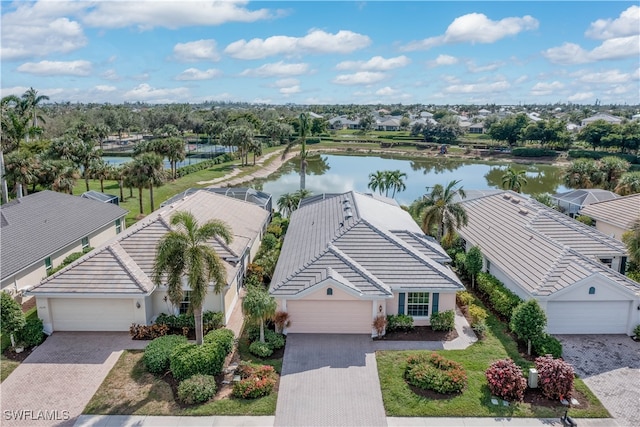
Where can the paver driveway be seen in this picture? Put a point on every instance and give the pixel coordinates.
(329, 380)
(610, 366)
(53, 385)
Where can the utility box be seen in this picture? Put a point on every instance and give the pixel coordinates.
(533, 378)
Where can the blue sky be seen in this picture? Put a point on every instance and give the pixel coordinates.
(325, 52)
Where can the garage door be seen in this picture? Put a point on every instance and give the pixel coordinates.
(91, 314)
(330, 317)
(606, 317)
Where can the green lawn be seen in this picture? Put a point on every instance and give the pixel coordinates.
(6, 367)
(475, 401)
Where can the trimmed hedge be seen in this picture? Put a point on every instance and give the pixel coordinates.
(443, 320)
(597, 155)
(206, 164)
(158, 352)
(32, 333)
(260, 349)
(399, 322)
(501, 299)
(533, 152)
(274, 339)
(197, 389)
(434, 372)
(222, 337)
(210, 320)
(547, 344)
(190, 359)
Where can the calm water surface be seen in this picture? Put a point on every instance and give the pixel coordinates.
(334, 173)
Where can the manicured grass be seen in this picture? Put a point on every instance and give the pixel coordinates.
(475, 401)
(130, 390)
(7, 366)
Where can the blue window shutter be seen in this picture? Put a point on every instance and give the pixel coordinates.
(401, 303)
(434, 302)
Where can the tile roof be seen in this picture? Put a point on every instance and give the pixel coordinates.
(621, 212)
(124, 265)
(539, 248)
(371, 242)
(38, 225)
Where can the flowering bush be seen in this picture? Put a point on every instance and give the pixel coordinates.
(256, 381)
(555, 377)
(506, 380)
(197, 389)
(434, 372)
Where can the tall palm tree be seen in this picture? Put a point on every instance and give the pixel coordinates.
(32, 103)
(378, 181)
(303, 131)
(185, 251)
(175, 152)
(287, 203)
(395, 181)
(612, 168)
(146, 171)
(258, 306)
(514, 180)
(20, 168)
(66, 177)
(100, 170)
(439, 210)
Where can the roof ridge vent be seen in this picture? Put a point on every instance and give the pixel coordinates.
(523, 211)
(515, 200)
(348, 214)
(506, 196)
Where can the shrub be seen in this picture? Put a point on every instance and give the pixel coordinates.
(501, 299)
(505, 380)
(533, 152)
(464, 298)
(399, 322)
(197, 389)
(379, 323)
(261, 349)
(12, 317)
(275, 229)
(555, 377)
(254, 270)
(597, 155)
(586, 220)
(269, 241)
(190, 359)
(256, 381)
(253, 332)
(31, 334)
(158, 352)
(443, 320)
(477, 314)
(480, 328)
(222, 337)
(434, 372)
(547, 344)
(636, 331)
(274, 339)
(144, 332)
(281, 320)
(528, 321)
(210, 320)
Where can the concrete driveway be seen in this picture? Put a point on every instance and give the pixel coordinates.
(53, 385)
(610, 366)
(329, 380)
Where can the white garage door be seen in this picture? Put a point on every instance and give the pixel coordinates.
(569, 317)
(330, 317)
(81, 314)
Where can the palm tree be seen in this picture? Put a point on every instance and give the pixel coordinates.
(629, 183)
(32, 102)
(259, 307)
(287, 203)
(631, 239)
(145, 171)
(303, 131)
(100, 170)
(174, 151)
(184, 251)
(378, 181)
(514, 180)
(20, 168)
(440, 210)
(395, 181)
(582, 173)
(612, 168)
(66, 177)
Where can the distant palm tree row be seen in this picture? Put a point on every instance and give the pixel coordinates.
(383, 181)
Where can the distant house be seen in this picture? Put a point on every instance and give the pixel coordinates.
(40, 230)
(484, 112)
(571, 202)
(388, 124)
(571, 269)
(601, 116)
(101, 197)
(476, 128)
(614, 217)
(111, 287)
(350, 257)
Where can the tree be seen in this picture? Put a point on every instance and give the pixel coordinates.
(440, 210)
(304, 126)
(378, 181)
(184, 251)
(395, 181)
(612, 169)
(259, 307)
(33, 101)
(473, 263)
(11, 316)
(631, 239)
(593, 133)
(582, 173)
(287, 203)
(20, 169)
(514, 180)
(146, 171)
(100, 170)
(509, 129)
(528, 321)
(629, 183)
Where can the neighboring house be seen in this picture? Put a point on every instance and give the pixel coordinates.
(476, 128)
(601, 116)
(388, 124)
(571, 269)
(40, 230)
(614, 217)
(350, 257)
(570, 202)
(111, 287)
(101, 197)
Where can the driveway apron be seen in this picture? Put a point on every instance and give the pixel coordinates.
(54, 384)
(329, 380)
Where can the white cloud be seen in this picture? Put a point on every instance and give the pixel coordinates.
(543, 89)
(617, 48)
(521, 79)
(359, 78)
(286, 82)
(627, 24)
(171, 14)
(57, 68)
(146, 93)
(196, 74)
(478, 87)
(476, 28)
(443, 60)
(473, 68)
(110, 75)
(316, 41)
(387, 91)
(377, 63)
(105, 88)
(277, 69)
(290, 90)
(39, 29)
(581, 96)
(604, 77)
(200, 50)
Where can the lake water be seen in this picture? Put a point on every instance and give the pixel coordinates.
(334, 173)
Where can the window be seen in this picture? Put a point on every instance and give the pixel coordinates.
(488, 270)
(85, 242)
(606, 261)
(118, 225)
(418, 304)
(592, 290)
(329, 291)
(47, 264)
(186, 302)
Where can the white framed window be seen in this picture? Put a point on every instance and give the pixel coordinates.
(118, 225)
(186, 302)
(418, 304)
(47, 264)
(85, 242)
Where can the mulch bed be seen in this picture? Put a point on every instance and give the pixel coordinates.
(9, 353)
(419, 333)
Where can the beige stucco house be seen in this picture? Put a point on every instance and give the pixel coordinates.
(571, 269)
(40, 230)
(111, 287)
(350, 257)
(614, 217)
